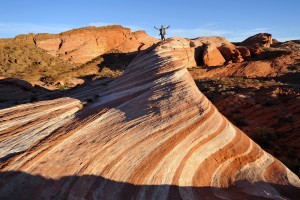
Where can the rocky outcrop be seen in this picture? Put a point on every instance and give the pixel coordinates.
(255, 50)
(262, 39)
(212, 56)
(245, 52)
(84, 44)
(227, 51)
(217, 41)
(254, 67)
(59, 57)
(151, 134)
(237, 57)
(216, 50)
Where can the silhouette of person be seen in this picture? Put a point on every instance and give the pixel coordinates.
(162, 32)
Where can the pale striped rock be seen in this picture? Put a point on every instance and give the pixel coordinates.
(151, 135)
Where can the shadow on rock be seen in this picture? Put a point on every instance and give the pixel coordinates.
(21, 185)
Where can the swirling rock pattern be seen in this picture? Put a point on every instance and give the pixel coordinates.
(151, 135)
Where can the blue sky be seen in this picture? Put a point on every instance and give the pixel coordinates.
(234, 19)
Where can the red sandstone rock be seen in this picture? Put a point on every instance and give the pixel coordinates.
(223, 46)
(217, 41)
(274, 67)
(195, 43)
(255, 50)
(245, 52)
(262, 39)
(51, 45)
(212, 56)
(84, 44)
(186, 51)
(237, 57)
(150, 134)
(227, 50)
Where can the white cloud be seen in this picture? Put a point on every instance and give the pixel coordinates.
(283, 39)
(212, 29)
(13, 29)
(193, 33)
(240, 35)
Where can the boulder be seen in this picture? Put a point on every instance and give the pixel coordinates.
(227, 51)
(212, 56)
(262, 39)
(255, 50)
(221, 50)
(245, 52)
(237, 57)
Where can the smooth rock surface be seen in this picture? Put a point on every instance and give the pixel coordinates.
(151, 135)
(212, 56)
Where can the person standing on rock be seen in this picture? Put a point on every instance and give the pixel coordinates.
(162, 32)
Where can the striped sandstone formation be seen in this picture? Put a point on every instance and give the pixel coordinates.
(151, 135)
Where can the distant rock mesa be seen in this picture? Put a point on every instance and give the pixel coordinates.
(83, 44)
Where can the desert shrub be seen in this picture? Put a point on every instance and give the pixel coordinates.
(212, 89)
(292, 67)
(272, 102)
(264, 136)
(107, 72)
(231, 92)
(90, 100)
(61, 87)
(237, 118)
(287, 119)
(241, 122)
(236, 111)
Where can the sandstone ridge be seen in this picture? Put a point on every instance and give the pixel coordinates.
(83, 44)
(151, 135)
